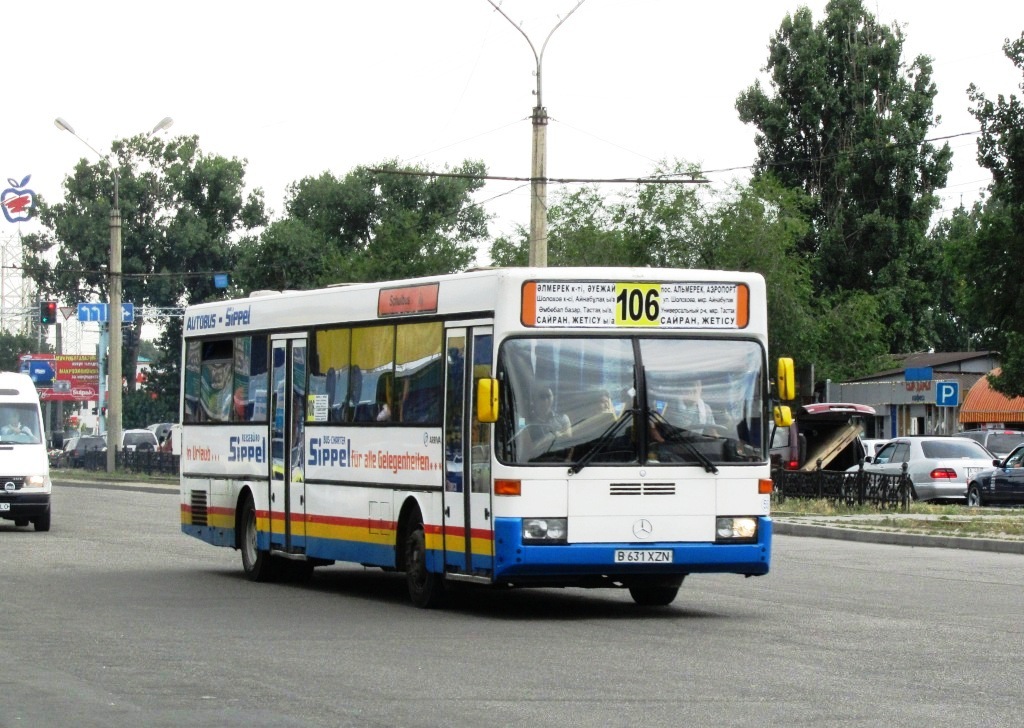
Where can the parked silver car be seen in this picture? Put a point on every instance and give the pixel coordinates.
(939, 467)
(999, 442)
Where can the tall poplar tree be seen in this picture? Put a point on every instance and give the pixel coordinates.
(995, 265)
(847, 122)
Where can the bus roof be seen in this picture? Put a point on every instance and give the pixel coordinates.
(483, 292)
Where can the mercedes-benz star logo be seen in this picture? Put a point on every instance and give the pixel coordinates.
(643, 528)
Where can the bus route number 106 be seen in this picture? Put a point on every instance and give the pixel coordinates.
(637, 304)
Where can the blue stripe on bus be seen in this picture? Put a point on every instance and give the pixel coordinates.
(215, 536)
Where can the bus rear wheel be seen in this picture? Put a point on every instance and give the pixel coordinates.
(258, 564)
(426, 589)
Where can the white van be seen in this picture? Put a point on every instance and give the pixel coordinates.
(24, 467)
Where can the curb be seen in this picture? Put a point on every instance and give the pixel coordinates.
(118, 485)
(897, 539)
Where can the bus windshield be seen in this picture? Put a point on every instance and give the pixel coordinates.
(631, 400)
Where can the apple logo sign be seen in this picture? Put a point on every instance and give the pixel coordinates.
(17, 201)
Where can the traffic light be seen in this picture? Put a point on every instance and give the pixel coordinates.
(48, 312)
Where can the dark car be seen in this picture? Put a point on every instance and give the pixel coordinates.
(1002, 484)
(85, 444)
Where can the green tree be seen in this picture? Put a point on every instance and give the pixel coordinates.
(181, 210)
(371, 225)
(959, 319)
(14, 345)
(995, 264)
(753, 227)
(847, 123)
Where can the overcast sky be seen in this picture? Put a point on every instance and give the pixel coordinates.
(300, 88)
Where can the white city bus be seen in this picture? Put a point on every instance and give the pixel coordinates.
(512, 427)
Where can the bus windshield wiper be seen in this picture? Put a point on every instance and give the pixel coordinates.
(677, 435)
(602, 441)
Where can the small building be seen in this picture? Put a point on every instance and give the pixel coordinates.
(925, 396)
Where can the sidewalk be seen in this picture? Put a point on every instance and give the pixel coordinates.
(870, 529)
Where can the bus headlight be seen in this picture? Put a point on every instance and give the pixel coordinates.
(34, 481)
(545, 530)
(735, 528)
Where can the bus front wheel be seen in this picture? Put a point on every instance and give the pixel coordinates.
(257, 564)
(426, 589)
(654, 595)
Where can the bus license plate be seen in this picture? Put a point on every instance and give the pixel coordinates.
(5, 506)
(643, 556)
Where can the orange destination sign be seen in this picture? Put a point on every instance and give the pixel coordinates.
(407, 300)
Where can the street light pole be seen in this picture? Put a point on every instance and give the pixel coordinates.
(539, 157)
(114, 312)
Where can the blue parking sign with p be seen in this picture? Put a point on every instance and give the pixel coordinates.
(947, 394)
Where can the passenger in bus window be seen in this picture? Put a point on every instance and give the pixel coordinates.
(354, 395)
(690, 409)
(543, 417)
(385, 398)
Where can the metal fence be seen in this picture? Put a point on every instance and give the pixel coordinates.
(135, 461)
(848, 488)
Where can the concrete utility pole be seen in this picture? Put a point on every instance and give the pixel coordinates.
(114, 327)
(539, 160)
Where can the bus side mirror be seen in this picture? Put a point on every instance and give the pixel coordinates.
(783, 416)
(487, 400)
(786, 380)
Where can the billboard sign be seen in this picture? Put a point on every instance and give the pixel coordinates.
(63, 377)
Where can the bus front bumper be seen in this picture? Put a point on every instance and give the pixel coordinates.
(519, 563)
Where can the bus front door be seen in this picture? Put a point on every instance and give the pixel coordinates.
(287, 429)
(468, 519)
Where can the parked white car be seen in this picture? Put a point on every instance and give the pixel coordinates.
(871, 447)
(139, 440)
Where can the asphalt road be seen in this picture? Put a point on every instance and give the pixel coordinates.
(114, 618)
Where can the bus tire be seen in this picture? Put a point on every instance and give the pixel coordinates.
(258, 564)
(654, 595)
(426, 589)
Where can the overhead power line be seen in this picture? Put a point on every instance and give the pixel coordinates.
(560, 180)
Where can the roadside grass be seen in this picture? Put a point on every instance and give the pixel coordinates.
(938, 519)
